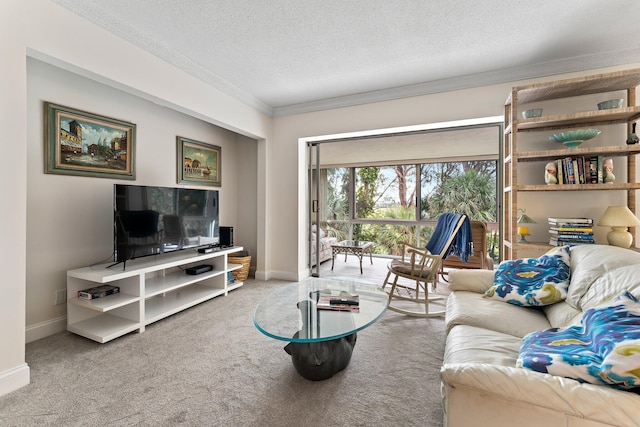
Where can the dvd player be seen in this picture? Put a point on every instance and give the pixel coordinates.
(199, 269)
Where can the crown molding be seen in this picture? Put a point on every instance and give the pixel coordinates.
(513, 74)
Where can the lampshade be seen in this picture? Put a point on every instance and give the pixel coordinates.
(619, 218)
(524, 218)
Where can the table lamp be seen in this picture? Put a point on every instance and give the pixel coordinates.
(522, 230)
(619, 218)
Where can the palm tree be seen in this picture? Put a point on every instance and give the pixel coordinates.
(471, 194)
(387, 236)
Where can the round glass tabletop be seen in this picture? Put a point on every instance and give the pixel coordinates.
(292, 313)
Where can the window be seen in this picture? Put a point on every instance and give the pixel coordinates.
(387, 200)
(386, 192)
(464, 187)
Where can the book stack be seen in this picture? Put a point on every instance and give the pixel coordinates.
(339, 302)
(580, 170)
(570, 231)
(98, 292)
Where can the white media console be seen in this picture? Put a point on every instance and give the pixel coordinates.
(151, 289)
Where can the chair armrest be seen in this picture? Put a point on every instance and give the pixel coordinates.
(418, 262)
(410, 251)
(474, 280)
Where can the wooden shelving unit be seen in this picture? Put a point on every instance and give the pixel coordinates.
(151, 289)
(560, 91)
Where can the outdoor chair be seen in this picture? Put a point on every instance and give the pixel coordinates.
(480, 258)
(409, 276)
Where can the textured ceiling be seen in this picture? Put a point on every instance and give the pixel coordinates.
(288, 56)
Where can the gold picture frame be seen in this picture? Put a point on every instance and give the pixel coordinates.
(86, 144)
(199, 163)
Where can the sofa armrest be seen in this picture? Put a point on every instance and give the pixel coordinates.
(525, 388)
(470, 280)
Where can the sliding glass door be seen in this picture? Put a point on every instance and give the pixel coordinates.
(391, 188)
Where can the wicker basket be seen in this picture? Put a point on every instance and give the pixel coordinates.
(244, 259)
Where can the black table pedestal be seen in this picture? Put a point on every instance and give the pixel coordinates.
(317, 361)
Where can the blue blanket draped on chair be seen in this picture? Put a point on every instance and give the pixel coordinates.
(462, 245)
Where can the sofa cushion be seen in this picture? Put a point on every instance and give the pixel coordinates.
(603, 349)
(611, 284)
(470, 344)
(562, 314)
(589, 262)
(470, 280)
(470, 308)
(533, 281)
(493, 390)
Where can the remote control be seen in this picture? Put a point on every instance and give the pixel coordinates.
(346, 301)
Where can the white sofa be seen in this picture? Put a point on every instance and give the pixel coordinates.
(325, 245)
(481, 385)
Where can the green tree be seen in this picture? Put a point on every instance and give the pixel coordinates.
(434, 175)
(338, 193)
(386, 237)
(404, 174)
(366, 190)
(368, 179)
(471, 194)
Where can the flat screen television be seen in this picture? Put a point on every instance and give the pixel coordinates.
(150, 220)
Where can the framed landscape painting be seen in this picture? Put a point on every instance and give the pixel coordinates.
(86, 144)
(199, 163)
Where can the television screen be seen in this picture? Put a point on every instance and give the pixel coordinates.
(151, 220)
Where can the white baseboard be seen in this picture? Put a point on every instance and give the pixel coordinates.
(44, 329)
(261, 275)
(291, 277)
(14, 379)
(282, 275)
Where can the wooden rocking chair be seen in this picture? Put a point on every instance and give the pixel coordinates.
(421, 267)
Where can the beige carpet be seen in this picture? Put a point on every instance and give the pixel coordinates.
(209, 366)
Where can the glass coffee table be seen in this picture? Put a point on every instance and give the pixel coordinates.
(320, 340)
(354, 247)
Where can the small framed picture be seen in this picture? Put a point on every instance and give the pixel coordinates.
(199, 163)
(86, 144)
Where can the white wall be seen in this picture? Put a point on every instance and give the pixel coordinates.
(70, 218)
(14, 372)
(42, 30)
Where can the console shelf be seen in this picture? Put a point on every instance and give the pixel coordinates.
(107, 303)
(103, 328)
(151, 289)
(175, 280)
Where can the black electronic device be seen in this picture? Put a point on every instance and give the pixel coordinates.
(206, 250)
(226, 236)
(347, 301)
(151, 220)
(199, 269)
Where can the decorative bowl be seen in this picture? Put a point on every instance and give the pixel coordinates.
(574, 138)
(534, 112)
(612, 103)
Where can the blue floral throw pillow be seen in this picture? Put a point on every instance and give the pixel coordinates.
(604, 349)
(533, 281)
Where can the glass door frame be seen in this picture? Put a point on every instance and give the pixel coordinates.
(313, 192)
